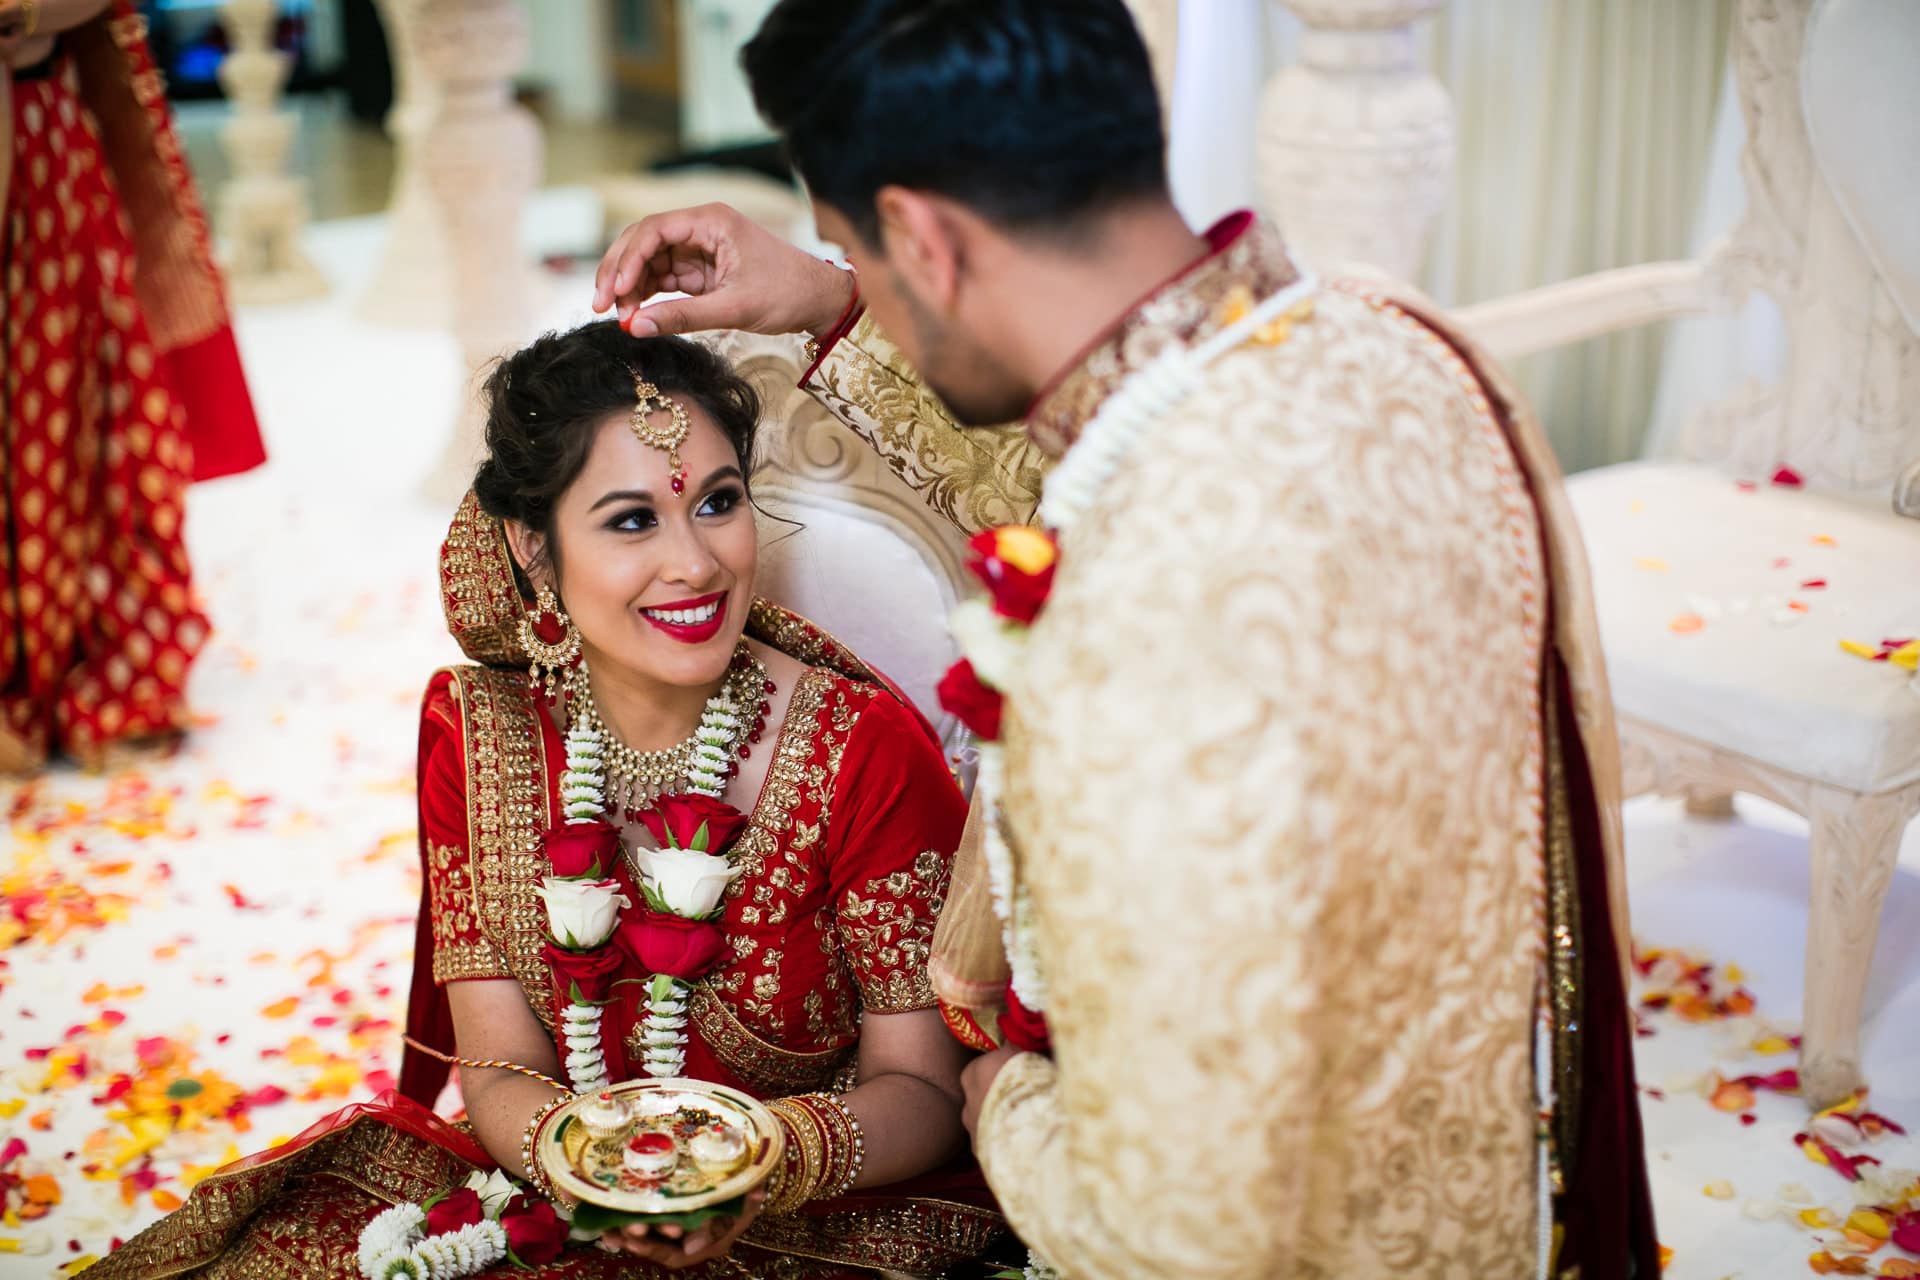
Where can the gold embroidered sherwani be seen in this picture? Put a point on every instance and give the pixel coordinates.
(1282, 772)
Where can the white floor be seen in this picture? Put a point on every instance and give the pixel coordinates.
(266, 881)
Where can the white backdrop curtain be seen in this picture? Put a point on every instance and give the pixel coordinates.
(1584, 131)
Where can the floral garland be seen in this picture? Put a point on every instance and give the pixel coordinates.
(461, 1232)
(682, 882)
(1016, 564)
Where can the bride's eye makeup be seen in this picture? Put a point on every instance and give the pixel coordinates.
(722, 500)
(639, 519)
(633, 520)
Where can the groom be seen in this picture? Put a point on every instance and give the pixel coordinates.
(1307, 819)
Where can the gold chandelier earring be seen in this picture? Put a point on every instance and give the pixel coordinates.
(550, 640)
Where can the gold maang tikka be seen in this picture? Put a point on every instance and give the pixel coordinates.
(650, 400)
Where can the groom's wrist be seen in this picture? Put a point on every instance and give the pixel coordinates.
(845, 311)
(834, 299)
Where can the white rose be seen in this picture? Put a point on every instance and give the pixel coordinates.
(581, 913)
(689, 883)
(495, 1189)
(995, 646)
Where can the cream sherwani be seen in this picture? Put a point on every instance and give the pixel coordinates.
(1276, 779)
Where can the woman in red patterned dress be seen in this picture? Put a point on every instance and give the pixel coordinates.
(815, 996)
(122, 384)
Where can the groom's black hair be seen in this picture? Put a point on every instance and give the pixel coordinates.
(1036, 114)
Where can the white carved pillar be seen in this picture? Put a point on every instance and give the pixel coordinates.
(1355, 143)
(481, 156)
(409, 287)
(262, 207)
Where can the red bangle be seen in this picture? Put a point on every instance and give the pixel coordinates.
(817, 348)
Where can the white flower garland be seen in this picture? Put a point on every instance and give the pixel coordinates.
(393, 1247)
(1140, 403)
(583, 791)
(664, 1032)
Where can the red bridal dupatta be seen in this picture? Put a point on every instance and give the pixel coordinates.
(175, 281)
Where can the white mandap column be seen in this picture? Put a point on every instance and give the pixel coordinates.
(481, 155)
(409, 286)
(262, 207)
(1355, 141)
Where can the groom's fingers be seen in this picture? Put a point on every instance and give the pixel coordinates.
(683, 315)
(622, 267)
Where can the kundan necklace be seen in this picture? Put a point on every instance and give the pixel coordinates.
(632, 779)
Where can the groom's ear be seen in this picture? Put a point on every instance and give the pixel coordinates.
(923, 244)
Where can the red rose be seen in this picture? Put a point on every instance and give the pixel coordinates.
(1024, 1029)
(677, 820)
(535, 1233)
(461, 1208)
(591, 971)
(673, 945)
(1906, 1231)
(581, 848)
(1015, 563)
(978, 707)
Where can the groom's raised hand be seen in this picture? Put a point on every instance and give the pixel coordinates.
(737, 275)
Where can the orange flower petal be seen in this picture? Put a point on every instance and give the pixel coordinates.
(1732, 1096)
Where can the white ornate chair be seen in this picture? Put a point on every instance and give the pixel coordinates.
(866, 559)
(1749, 693)
(1724, 599)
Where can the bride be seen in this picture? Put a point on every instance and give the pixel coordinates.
(706, 840)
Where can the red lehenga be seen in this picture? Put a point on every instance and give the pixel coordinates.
(847, 863)
(122, 385)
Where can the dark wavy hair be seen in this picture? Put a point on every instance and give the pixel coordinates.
(546, 401)
(1036, 114)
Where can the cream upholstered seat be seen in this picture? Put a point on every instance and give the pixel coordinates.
(1722, 683)
(1712, 621)
(864, 558)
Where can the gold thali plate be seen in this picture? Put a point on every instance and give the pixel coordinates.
(583, 1168)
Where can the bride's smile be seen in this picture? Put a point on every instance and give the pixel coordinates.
(690, 621)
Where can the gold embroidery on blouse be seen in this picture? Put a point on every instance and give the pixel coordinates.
(457, 953)
(887, 930)
(767, 1069)
(762, 844)
(506, 814)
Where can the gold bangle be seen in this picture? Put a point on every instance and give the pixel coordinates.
(846, 1143)
(30, 23)
(799, 1176)
(825, 1152)
(529, 1156)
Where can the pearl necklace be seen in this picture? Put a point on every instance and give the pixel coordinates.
(632, 779)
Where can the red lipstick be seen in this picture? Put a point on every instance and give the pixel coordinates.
(689, 632)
